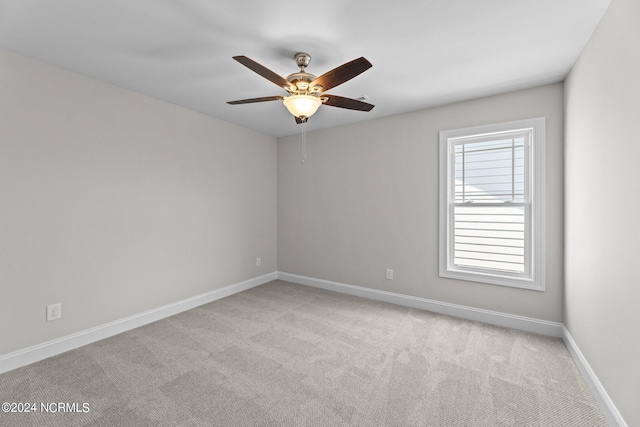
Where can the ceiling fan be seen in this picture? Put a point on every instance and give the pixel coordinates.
(306, 91)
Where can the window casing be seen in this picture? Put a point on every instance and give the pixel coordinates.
(492, 204)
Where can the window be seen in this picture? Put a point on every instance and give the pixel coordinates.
(492, 204)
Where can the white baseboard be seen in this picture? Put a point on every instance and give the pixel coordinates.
(42, 351)
(614, 418)
(528, 324)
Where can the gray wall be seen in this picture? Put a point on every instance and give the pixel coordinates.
(366, 199)
(602, 204)
(113, 203)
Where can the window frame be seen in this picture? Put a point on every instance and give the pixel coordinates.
(534, 278)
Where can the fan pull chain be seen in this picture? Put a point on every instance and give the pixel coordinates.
(304, 141)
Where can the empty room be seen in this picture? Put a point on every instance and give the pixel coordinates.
(346, 213)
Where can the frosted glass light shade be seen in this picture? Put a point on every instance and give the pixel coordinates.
(302, 105)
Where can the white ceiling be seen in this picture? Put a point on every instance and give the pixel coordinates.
(424, 53)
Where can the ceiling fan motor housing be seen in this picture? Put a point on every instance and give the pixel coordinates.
(301, 80)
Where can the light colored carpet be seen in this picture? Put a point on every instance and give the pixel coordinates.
(287, 355)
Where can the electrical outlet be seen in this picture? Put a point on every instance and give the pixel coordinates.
(54, 312)
(258, 262)
(389, 274)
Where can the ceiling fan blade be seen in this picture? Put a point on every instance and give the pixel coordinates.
(252, 100)
(348, 103)
(341, 74)
(264, 72)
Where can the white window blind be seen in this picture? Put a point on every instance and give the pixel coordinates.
(490, 194)
(492, 203)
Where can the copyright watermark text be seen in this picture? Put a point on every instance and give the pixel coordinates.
(46, 407)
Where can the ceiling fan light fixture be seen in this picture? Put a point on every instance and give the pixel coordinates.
(306, 91)
(302, 105)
